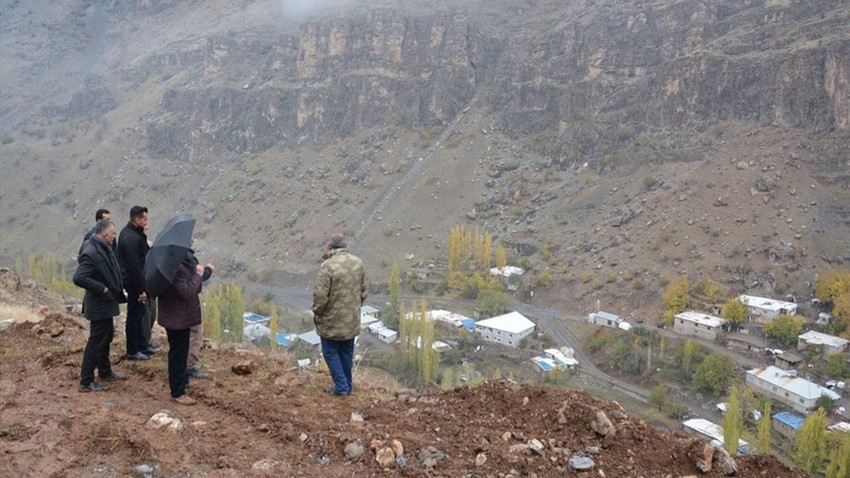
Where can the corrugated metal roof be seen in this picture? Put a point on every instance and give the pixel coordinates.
(605, 315)
(796, 385)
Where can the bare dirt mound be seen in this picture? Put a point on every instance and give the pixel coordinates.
(277, 421)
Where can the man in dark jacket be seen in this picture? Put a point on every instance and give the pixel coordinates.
(132, 249)
(98, 273)
(196, 332)
(98, 215)
(337, 297)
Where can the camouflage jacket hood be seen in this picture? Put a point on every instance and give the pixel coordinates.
(338, 295)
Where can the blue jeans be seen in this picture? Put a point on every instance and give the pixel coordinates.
(339, 355)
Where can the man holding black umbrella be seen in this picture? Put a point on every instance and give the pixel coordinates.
(175, 280)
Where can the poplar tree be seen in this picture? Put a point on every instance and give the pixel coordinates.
(809, 442)
(839, 459)
(391, 312)
(733, 423)
(687, 356)
(430, 358)
(212, 319)
(273, 326)
(501, 257)
(763, 443)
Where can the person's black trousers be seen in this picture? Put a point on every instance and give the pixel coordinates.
(178, 353)
(96, 353)
(149, 321)
(134, 329)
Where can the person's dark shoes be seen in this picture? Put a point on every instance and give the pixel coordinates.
(92, 387)
(194, 372)
(152, 350)
(137, 356)
(113, 377)
(333, 391)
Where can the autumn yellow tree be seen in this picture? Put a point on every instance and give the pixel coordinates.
(833, 287)
(734, 312)
(675, 298)
(501, 256)
(469, 255)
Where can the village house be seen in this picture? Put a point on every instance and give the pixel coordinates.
(787, 360)
(508, 329)
(763, 310)
(712, 432)
(564, 356)
(787, 423)
(826, 344)
(746, 342)
(368, 316)
(697, 324)
(607, 320)
(252, 318)
(786, 387)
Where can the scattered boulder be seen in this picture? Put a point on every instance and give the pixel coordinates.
(385, 456)
(164, 418)
(581, 462)
(353, 450)
(245, 367)
(602, 425)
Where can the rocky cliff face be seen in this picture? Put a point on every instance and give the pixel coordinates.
(597, 139)
(591, 78)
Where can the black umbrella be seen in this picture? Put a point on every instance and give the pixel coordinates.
(168, 251)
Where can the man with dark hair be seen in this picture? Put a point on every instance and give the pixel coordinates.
(100, 214)
(98, 273)
(132, 249)
(337, 297)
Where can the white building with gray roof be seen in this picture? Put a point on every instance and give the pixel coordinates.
(786, 387)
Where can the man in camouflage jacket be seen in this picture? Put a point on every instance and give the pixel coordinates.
(337, 297)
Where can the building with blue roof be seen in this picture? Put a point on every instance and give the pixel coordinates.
(252, 318)
(787, 423)
(285, 339)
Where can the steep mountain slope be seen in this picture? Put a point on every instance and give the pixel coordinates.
(614, 144)
(277, 421)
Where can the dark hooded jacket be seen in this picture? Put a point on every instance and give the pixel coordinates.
(98, 270)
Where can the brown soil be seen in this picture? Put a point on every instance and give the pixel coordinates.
(277, 421)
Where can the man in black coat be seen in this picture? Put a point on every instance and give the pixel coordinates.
(132, 249)
(98, 273)
(98, 215)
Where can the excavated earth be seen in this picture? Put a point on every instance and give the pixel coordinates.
(271, 419)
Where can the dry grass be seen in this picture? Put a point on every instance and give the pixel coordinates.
(18, 314)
